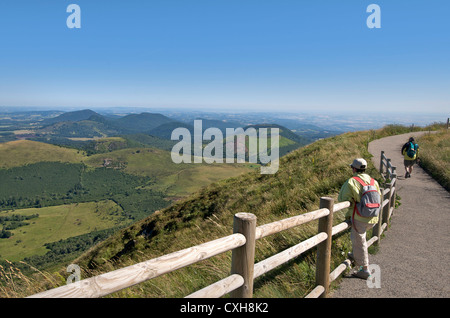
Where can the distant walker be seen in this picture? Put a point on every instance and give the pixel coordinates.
(410, 151)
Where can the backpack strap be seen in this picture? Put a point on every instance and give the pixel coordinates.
(360, 181)
(372, 181)
(355, 209)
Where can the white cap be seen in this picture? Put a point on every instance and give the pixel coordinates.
(359, 163)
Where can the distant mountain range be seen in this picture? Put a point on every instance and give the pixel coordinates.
(82, 129)
(87, 123)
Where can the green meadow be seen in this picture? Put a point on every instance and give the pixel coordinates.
(175, 180)
(22, 152)
(55, 223)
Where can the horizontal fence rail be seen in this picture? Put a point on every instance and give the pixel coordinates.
(242, 244)
(110, 282)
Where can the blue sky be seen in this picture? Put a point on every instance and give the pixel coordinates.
(279, 55)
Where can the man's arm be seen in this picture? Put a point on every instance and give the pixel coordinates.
(346, 194)
(403, 149)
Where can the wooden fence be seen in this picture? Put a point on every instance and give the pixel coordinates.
(387, 170)
(242, 244)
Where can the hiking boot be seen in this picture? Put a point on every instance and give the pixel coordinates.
(407, 175)
(363, 274)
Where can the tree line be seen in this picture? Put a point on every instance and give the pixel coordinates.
(53, 183)
(11, 222)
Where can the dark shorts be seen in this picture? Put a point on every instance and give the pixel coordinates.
(409, 163)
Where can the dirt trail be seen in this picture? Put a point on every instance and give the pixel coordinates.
(414, 254)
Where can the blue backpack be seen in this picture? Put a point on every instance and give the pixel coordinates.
(411, 151)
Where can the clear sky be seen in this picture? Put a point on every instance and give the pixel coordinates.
(273, 55)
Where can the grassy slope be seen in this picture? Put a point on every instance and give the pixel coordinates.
(55, 223)
(21, 152)
(304, 176)
(435, 156)
(177, 180)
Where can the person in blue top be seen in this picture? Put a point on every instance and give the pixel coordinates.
(410, 151)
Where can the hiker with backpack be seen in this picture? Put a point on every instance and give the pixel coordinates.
(410, 151)
(365, 196)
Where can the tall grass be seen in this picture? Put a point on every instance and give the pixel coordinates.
(14, 283)
(434, 153)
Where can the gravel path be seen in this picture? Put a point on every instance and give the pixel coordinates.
(414, 254)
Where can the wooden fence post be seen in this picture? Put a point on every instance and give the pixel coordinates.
(324, 248)
(377, 228)
(387, 208)
(388, 168)
(392, 200)
(381, 162)
(385, 215)
(243, 258)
